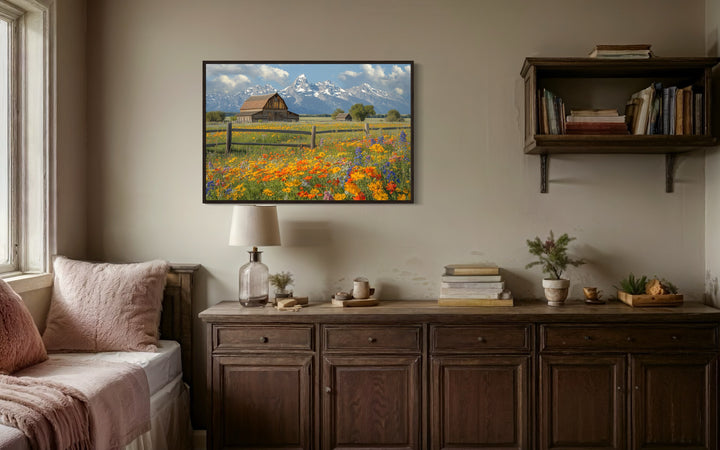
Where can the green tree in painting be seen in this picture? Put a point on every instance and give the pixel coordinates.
(359, 112)
(393, 116)
(214, 116)
(335, 113)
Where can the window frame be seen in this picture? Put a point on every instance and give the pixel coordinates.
(32, 138)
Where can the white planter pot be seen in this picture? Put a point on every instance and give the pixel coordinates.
(556, 291)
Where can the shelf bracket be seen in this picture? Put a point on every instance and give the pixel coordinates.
(669, 172)
(543, 173)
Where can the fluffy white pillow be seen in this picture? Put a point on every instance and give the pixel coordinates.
(99, 307)
(20, 342)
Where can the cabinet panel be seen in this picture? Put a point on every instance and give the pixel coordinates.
(267, 337)
(372, 338)
(582, 402)
(480, 338)
(629, 338)
(674, 401)
(479, 402)
(262, 402)
(371, 402)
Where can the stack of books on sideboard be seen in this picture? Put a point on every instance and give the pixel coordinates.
(473, 285)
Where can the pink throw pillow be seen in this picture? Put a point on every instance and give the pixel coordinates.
(98, 307)
(20, 343)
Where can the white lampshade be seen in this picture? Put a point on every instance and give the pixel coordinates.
(254, 225)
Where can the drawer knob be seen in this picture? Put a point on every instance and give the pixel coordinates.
(629, 339)
(327, 389)
(619, 388)
(481, 339)
(264, 339)
(675, 338)
(372, 340)
(588, 338)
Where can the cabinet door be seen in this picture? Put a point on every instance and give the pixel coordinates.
(582, 402)
(262, 402)
(479, 402)
(674, 401)
(371, 402)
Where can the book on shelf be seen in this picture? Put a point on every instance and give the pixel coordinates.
(621, 51)
(655, 113)
(666, 110)
(643, 100)
(551, 111)
(476, 302)
(473, 284)
(698, 114)
(679, 112)
(594, 112)
(688, 108)
(471, 278)
(595, 119)
(471, 269)
(672, 98)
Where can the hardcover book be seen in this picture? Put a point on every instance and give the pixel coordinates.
(471, 269)
(470, 278)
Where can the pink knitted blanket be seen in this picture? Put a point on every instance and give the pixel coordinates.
(114, 396)
(52, 415)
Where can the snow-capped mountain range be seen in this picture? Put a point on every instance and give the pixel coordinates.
(305, 97)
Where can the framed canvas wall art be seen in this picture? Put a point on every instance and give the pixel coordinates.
(308, 132)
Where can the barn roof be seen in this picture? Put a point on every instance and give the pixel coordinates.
(249, 112)
(258, 102)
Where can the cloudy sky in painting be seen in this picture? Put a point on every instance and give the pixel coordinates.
(231, 78)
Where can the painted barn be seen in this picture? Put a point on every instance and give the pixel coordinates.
(266, 108)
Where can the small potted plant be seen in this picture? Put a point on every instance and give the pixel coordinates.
(553, 259)
(281, 281)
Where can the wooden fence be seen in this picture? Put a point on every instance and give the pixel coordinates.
(313, 133)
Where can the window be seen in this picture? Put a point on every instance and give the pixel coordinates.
(26, 136)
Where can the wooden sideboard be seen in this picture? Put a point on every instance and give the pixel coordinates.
(413, 375)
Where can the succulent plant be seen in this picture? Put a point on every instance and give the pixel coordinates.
(632, 285)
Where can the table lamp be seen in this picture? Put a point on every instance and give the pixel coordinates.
(254, 225)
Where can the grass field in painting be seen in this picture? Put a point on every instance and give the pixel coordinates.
(346, 165)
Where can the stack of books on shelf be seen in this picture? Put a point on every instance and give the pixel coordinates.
(666, 110)
(596, 121)
(621, 51)
(551, 113)
(473, 285)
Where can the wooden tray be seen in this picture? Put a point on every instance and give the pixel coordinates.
(372, 301)
(650, 300)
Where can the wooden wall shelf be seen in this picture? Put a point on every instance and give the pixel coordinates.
(589, 73)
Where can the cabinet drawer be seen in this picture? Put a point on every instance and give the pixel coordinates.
(264, 337)
(629, 337)
(480, 338)
(373, 338)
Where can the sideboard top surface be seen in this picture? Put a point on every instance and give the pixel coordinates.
(428, 311)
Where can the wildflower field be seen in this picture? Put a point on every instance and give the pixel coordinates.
(344, 166)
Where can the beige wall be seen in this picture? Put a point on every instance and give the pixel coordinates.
(712, 167)
(477, 194)
(71, 70)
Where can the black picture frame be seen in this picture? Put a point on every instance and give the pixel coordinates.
(290, 144)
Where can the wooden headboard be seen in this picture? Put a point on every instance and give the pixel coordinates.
(176, 322)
